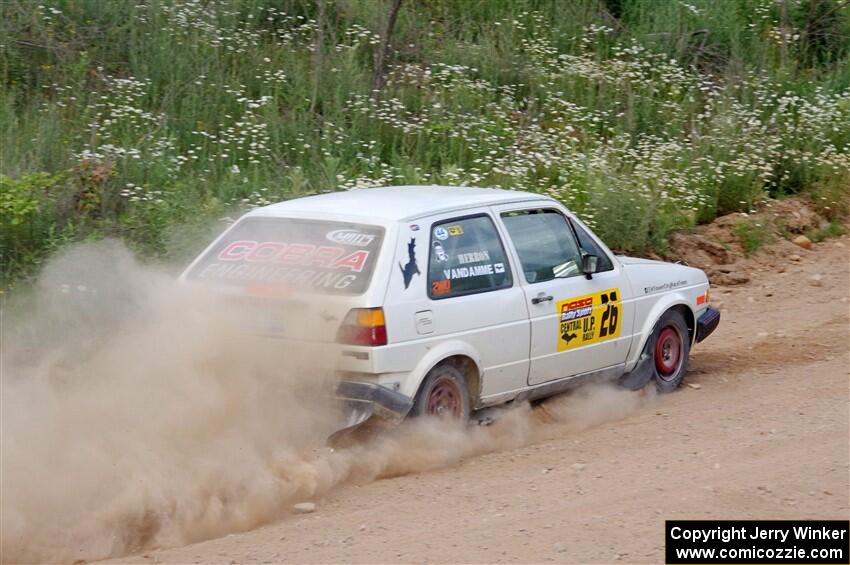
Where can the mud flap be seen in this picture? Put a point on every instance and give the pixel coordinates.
(366, 407)
(490, 415)
(355, 413)
(644, 370)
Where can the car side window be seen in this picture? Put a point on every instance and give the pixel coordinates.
(466, 256)
(545, 244)
(590, 247)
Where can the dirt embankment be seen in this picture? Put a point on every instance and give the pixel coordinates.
(737, 247)
(760, 430)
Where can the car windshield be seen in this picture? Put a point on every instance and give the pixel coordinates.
(293, 254)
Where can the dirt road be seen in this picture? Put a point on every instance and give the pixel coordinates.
(760, 431)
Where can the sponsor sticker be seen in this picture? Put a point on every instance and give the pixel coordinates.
(350, 237)
(441, 233)
(276, 256)
(499, 267)
(294, 254)
(272, 274)
(441, 287)
(588, 319)
(666, 286)
(455, 230)
(440, 253)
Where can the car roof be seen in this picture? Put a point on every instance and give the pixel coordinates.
(395, 202)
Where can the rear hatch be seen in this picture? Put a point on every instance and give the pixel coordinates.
(292, 278)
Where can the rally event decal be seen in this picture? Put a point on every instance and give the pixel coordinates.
(588, 319)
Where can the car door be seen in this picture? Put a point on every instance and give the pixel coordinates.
(578, 324)
(466, 297)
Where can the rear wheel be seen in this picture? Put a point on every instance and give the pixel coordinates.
(443, 394)
(670, 351)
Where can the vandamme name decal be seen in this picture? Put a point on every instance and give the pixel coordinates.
(474, 271)
(588, 319)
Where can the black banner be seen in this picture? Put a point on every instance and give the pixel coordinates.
(815, 542)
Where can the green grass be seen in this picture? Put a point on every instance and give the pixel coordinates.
(834, 229)
(644, 116)
(753, 235)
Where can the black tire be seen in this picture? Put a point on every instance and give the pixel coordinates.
(443, 394)
(670, 347)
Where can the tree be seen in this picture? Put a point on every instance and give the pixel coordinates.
(380, 72)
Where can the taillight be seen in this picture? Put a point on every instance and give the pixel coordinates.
(363, 326)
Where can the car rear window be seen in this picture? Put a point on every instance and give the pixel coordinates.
(305, 255)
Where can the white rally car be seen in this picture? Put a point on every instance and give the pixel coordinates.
(445, 300)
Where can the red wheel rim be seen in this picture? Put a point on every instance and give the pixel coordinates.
(668, 352)
(445, 399)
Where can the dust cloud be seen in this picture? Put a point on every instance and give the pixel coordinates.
(138, 413)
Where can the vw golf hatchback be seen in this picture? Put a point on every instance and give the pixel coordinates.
(445, 300)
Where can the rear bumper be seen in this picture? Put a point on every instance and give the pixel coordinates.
(707, 323)
(380, 400)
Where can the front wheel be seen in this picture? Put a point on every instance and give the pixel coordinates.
(443, 394)
(670, 351)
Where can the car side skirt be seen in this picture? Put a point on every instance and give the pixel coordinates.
(558, 386)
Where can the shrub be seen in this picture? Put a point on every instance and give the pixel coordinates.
(752, 235)
(28, 226)
(835, 228)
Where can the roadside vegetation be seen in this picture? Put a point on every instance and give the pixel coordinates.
(150, 121)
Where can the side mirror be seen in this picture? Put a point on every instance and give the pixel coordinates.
(588, 265)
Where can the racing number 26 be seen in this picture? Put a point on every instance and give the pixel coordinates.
(611, 315)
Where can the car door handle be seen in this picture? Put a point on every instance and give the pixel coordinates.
(541, 298)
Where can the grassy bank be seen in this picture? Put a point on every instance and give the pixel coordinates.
(150, 121)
